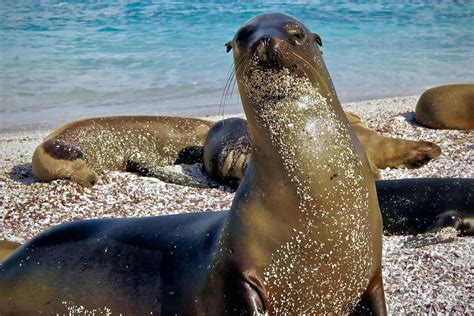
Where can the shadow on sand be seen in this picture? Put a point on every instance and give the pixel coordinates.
(23, 173)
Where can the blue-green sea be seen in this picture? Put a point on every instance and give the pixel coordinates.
(63, 60)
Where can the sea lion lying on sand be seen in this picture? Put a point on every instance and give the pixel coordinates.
(83, 149)
(416, 206)
(227, 150)
(447, 107)
(303, 235)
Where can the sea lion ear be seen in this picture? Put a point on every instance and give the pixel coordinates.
(318, 39)
(228, 47)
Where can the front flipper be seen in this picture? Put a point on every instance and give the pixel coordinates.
(373, 300)
(164, 174)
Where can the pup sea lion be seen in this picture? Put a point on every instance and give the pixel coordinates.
(294, 240)
(447, 107)
(227, 150)
(80, 150)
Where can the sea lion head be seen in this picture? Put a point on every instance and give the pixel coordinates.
(279, 67)
(277, 42)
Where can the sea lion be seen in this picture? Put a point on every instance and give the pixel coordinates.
(414, 206)
(7, 247)
(447, 107)
(83, 149)
(304, 233)
(227, 150)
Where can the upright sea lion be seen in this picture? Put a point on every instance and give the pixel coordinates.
(80, 150)
(227, 149)
(303, 234)
(447, 107)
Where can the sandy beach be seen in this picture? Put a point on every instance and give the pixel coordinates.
(424, 274)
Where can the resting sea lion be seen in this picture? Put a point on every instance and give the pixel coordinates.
(80, 150)
(447, 107)
(413, 206)
(227, 150)
(303, 234)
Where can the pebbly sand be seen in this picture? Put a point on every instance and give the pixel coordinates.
(426, 274)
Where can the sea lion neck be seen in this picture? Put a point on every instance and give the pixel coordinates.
(300, 145)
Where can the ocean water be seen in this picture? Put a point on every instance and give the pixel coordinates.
(63, 60)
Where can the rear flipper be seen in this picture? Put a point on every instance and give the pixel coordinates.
(392, 152)
(463, 223)
(164, 174)
(372, 301)
(410, 154)
(61, 159)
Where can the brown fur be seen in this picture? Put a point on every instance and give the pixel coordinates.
(81, 150)
(7, 248)
(392, 152)
(447, 107)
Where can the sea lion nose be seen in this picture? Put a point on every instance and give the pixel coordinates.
(265, 47)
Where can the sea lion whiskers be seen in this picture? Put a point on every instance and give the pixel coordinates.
(320, 78)
(230, 84)
(225, 92)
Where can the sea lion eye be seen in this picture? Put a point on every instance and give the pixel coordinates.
(317, 39)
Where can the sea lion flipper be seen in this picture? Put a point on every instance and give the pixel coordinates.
(163, 174)
(373, 300)
(392, 152)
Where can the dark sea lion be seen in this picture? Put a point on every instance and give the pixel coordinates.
(83, 149)
(413, 206)
(227, 150)
(304, 233)
(447, 107)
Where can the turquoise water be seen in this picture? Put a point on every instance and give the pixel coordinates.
(77, 58)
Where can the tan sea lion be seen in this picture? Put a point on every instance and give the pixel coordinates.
(83, 149)
(303, 235)
(447, 107)
(7, 248)
(227, 150)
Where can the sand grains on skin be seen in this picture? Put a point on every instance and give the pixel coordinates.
(426, 278)
(292, 266)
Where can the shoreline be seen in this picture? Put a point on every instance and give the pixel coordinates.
(422, 274)
(204, 105)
